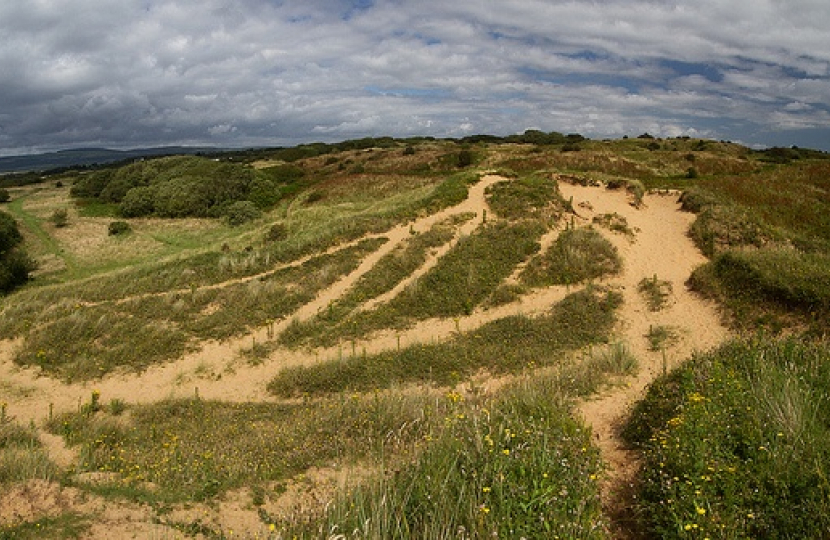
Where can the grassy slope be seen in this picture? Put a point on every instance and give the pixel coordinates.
(344, 195)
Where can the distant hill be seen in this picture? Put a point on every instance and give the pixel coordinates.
(88, 156)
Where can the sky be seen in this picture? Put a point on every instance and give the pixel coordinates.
(240, 73)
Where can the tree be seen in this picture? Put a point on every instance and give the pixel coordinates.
(15, 264)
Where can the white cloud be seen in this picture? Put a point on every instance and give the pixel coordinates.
(137, 72)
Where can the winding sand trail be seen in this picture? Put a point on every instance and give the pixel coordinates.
(659, 248)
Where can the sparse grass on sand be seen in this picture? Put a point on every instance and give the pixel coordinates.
(656, 292)
(507, 345)
(461, 280)
(82, 342)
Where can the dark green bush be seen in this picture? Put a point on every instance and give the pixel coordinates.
(695, 200)
(15, 264)
(242, 212)
(465, 158)
(138, 202)
(184, 186)
(276, 233)
(5, 196)
(60, 218)
(118, 227)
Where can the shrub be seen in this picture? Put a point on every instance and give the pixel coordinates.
(242, 212)
(60, 218)
(118, 227)
(15, 267)
(15, 264)
(138, 202)
(465, 158)
(696, 200)
(5, 196)
(276, 233)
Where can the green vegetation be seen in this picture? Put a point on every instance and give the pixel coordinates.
(15, 264)
(736, 444)
(534, 196)
(338, 321)
(578, 255)
(773, 288)
(22, 456)
(661, 337)
(64, 525)
(656, 292)
(117, 228)
(507, 345)
(512, 466)
(78, 342)
(734, 441)
(194, 450)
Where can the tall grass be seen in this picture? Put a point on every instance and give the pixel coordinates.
(22, 456)
(461, 280)
(736, 443)
(192, 450)
(327, 327)
(534, 196)
(516, 466)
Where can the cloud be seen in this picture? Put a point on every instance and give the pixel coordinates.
(124, 73)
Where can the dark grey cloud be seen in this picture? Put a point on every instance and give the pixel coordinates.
(125, 73)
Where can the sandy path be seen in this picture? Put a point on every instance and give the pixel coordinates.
(216, 371)
(661, 247)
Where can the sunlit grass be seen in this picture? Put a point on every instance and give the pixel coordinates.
(504, 346)
(80, 342)
(736, 444)
(577, 255)
(22, 456)
(512, 466)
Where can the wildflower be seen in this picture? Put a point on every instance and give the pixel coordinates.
(506, 451)
(700, 511)
(485, 489)
(483, 509)
(696, 398)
